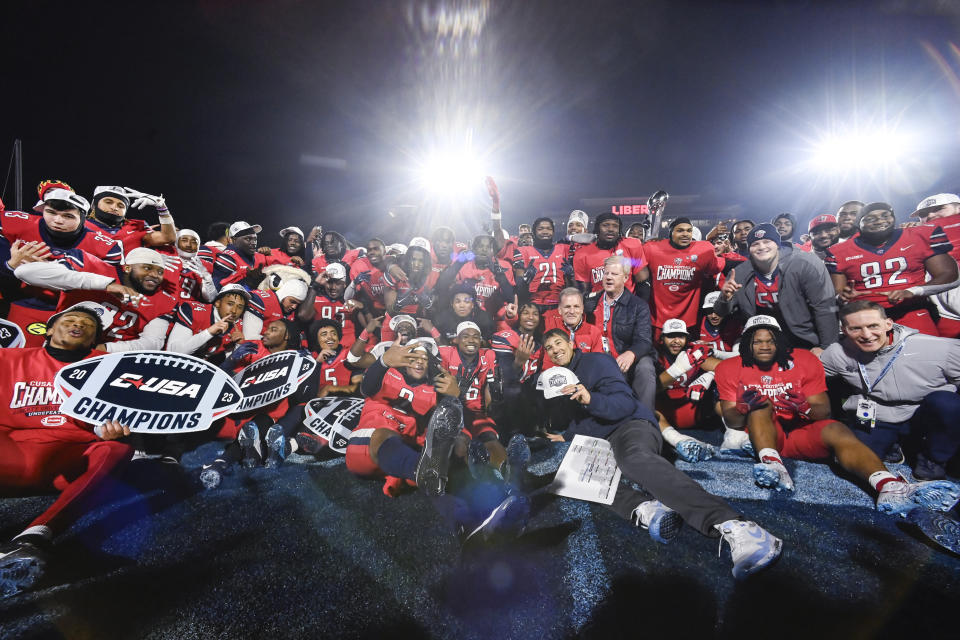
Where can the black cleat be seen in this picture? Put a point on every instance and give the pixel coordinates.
(22, 565)
(309, 443)
(278, 447)
(518, 457)
(442, 431)
(507, 520)
(211, 475)
(249, 441)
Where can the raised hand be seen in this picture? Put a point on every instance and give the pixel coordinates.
(731, 286)
(494, 192)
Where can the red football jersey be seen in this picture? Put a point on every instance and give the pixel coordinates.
(208, 255)
(334, 371)
(678, 388)
(723, 337)
(898, 264)
(805, 375)
(18, 225)
(507, 341)
(588, 261)
(951, 227)
(475, 380)
(767, 295)
(677, 279)
(231, 266)
(266, 306)
(179, 280)
(30, 404)
(486, 285)
(546, 285)
(198, 316)
(129, 234)
(320, 261)
(129, 320)
(374, 286)
(337, 310)
(399, 405)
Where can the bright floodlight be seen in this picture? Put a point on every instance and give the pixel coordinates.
(451, 174)
(857, 152)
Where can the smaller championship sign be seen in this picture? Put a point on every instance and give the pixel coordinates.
(332, 419)
(272, 378)
(150, 391)
(11, 337)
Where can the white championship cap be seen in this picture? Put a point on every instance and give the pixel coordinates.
(296, 230)
(143, 255)
(420, 242)
(554, 379)
(241, 228)
(104, 315)
(396, 320)
(293, 288)
(935, 202)
(336, 271)
(233, 288)
(674, 325)
(711, 300)
(578, 216)
(762, 321)
(463, 326)
(397, 248)
(66, 195)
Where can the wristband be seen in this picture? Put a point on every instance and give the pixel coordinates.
(364, 335)
(164, 217)
(496, 215)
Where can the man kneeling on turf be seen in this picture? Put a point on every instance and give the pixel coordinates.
(601, 405)
(780, 395)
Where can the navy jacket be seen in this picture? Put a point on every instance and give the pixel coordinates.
(631, 323)
(611, 399)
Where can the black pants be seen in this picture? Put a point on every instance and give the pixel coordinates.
(636, 446)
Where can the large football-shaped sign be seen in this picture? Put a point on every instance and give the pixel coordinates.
(151, 391)
(332, 419)
(11, 337)
(272, 378)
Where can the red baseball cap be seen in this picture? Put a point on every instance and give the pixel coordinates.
(825, 218)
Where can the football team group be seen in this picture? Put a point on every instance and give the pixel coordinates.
(837, 344)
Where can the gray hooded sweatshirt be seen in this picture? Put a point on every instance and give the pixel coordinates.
(924, 365)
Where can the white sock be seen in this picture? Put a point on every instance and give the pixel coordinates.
(293, 445)
(881, 478)
(770, 455)
(673, 436)
(41, 530)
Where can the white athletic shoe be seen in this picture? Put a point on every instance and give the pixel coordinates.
(737, 442)
(772, 475)
(661, 521)
(899, 498)
(751, 546)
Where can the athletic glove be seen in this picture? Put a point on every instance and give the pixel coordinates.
(750, 400)
(685, 361)
(794, 402)
(567, 269)
(242, 350)
(700, 386)
(466, 256)
(144, 199)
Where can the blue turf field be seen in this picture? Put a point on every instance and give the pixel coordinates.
(309, 551)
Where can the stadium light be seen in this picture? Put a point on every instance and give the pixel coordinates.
(858, 152)
(451, 174)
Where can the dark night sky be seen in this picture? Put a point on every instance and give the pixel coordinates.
(214, 103)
